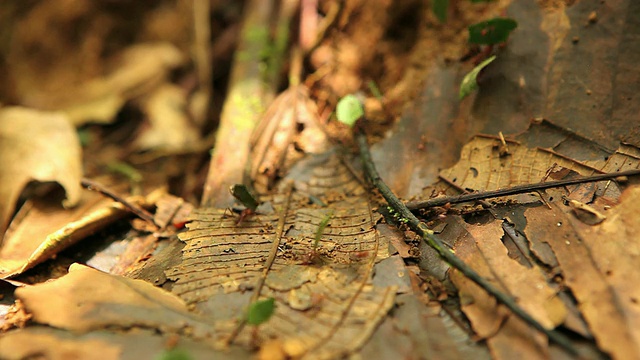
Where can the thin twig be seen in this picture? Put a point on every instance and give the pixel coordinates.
(139, 211)
(427, 234)
(519, 189)
(267, 265)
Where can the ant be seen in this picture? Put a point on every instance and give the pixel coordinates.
(241, 193)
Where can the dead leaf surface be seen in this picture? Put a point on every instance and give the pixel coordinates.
(599, 264)
(136, 344)
(485, 246)
(483, 250)
(38, 146)
(43, 228)
(34, 341)
(87, 299)
(326, 305)
(289, 128)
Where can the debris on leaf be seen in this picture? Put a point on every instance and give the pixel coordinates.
(469, 83)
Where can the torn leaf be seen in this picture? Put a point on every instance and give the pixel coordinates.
(36, 146)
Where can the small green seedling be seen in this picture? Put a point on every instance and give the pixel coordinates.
(375, 90)
(260, 311)
(440, 9)
(122, 168)
(492, 31)
(175, 354)
(349, 110)
(320, 230)
(469, 83)
(242, 194)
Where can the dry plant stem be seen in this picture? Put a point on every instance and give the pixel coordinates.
(247, 97)
(520, 189)
(140, 212)
(427, 234)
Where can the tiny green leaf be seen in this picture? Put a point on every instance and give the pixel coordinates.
(492, 31)
(260, 311)
(469, 83)
(349, 110)
(174, 354)
(323, 224)
(375, 90)
(242, 194)
(440, 9)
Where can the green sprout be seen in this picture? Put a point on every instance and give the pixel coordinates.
(174, 354)
(349, 110)
(469, 83)
(375, 90)
(321, 227)
(440, 8)
(126, 170)
(260, 311)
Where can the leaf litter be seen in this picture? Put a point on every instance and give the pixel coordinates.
(328, 307)
(551, 265)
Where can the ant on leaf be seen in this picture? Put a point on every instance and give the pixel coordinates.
(241, 193)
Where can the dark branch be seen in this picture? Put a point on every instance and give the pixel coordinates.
(520, 189)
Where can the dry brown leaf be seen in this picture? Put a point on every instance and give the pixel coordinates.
(36, 342)
(86, 299)
(137, 70)
(326, 305)
(169, 127)
(288, 129)
(44, 229)
(483, 250)
(50, 343)
(417, 331)
(39, 219)
(38, 146)
(482, 168)
(599, 264)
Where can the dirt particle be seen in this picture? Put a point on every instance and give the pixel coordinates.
(593, 17)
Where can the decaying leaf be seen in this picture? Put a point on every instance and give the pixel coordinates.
(36, 146)
(169, 127)
(425, 330)
(56, 344)
(87, 299)
(326, 305)
(45, 229)
(40, 341)
(289, 128)
(600, 265)
(482, 249)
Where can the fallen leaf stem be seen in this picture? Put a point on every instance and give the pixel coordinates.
(519, 189)
(427, 234)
